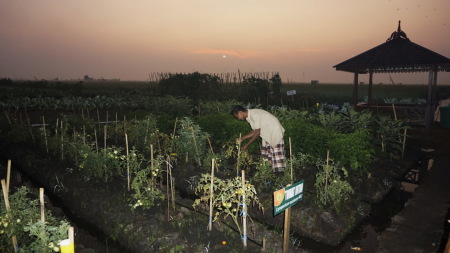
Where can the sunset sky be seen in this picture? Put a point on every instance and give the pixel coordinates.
(300, 39)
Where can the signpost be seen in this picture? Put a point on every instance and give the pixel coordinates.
(283, 199)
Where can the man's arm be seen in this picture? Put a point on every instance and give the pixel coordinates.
(253, 135)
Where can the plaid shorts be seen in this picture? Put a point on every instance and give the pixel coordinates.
(275, 155)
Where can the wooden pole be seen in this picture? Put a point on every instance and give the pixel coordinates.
(71, 234)
(290, 155)
(8, 175)
(211, 197)
(238, 155)
(395, 113)
(29, 126)
(62, 141)
(167, 188)
(45, 134)
(244, 211)
(128, 162)
(9, 120)
(104, 136)
(96, 142)
(287, 228)
(41, 201)
(8, 209)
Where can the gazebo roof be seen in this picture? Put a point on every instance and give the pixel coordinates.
(397, 54)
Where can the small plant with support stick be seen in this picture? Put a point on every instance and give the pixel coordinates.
(227, 197)
(331, 188)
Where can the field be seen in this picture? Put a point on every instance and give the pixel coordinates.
(135, 160)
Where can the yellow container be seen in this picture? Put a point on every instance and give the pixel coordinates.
(66, 246)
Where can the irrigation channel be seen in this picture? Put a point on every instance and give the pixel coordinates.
(90, 238)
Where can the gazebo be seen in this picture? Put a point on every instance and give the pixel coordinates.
(398, 55)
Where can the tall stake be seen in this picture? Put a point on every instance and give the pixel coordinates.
(238, 155)
(8, 209)
(128, 161)
(290, 155)
(104, 136)
(244, 211)
(45, 134)
(62, 141)
(29, 126)
(8, 175)
(41, 201)
(404, 141)
(395, 113)
(96, 141)
(211, 196)
(7, 116)
(167, 187)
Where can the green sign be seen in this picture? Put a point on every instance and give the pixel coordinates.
(287, 197)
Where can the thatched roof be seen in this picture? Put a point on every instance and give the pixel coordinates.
(397, 54)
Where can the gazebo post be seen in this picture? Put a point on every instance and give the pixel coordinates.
(369, 96)
(355, 89)
(431, 98)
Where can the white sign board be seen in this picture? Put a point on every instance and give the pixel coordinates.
(291, 92)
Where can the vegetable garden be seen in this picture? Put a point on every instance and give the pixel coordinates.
(154, 168)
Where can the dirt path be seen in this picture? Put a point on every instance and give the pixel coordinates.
(419, 227)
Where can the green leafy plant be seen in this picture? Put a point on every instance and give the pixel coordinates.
(145, 193)
(23, 221)
(390, 134)
(227, 199)
(330, 185)
(191, 142)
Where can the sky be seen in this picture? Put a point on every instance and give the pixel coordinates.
(130, 40)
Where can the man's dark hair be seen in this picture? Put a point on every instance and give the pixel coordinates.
(237, 109)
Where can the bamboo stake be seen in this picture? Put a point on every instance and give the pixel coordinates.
(211, 196)
(45, 134)
(115, 129)
(62, 141)
(96, 142)
(7, 116)
(287, 228)
(404, 142)
(8, 209)
(84, 134)
(128, 162)
(326, 173)
(290, 155)
(41, 201)
(71, 234)
(56, 128)
(29, 126)
(264, 244)
(175, 127)
(172, 187)
(238, 155)
(395, 113)
(244, 211)
(8, 175)
(98, 120)
(104, 136)
(151, 162)
(82, 113)
(167, 188)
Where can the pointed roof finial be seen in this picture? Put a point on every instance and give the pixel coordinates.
(398, 34)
